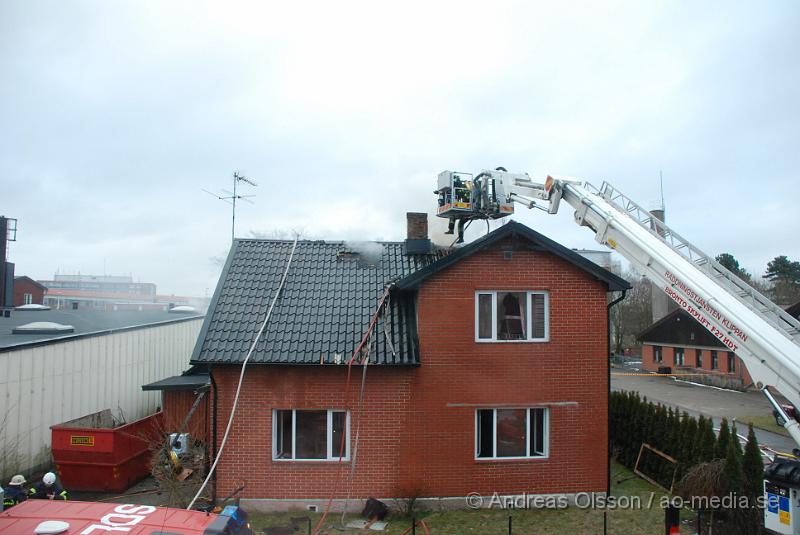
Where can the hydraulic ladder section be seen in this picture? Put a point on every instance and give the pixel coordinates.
(747, 323)
(748, 295)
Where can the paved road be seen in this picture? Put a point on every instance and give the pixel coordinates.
(704, 400)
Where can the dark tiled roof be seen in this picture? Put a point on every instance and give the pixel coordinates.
(681, 329)
(513, 230)
(330, 295)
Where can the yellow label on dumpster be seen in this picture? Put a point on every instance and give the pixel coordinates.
(76, 440)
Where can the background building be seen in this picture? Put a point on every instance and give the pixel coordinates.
(28, 292)
(111, 292)
(680, 343)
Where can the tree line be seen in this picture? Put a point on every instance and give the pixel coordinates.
(706, 464)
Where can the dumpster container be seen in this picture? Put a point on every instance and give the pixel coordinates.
(92, 454)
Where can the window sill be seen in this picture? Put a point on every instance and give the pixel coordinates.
(510, 459)
(313, 461)
(536, 341)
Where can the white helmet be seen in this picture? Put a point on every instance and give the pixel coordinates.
(17, 480)
(49, 478)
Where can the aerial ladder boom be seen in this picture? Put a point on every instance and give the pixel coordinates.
(761, 333)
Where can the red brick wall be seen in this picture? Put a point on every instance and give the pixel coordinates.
(690, 361)
(418, 425)
(21, 287)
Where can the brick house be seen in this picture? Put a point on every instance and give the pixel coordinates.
(679, 342)
(28, 292)
(488, 369)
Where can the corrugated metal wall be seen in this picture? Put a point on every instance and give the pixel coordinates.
(53, 383)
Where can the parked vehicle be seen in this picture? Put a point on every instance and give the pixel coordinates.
(790, 410)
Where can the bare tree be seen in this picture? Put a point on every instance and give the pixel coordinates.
(633, 314)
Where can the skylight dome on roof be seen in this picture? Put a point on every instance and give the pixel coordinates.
(32, 306)
(182, 308)
(43, 327)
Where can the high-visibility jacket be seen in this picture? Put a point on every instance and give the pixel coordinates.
(13, 496)
(40, 491)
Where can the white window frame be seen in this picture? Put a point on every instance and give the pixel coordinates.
(333, 451)
(528, 420)
(27, 298)
(528, 316)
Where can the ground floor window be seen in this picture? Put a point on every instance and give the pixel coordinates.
(731, 362)
(714, 360)
(310, 435)
(678, 356)
(657, 355)
(511, 433)
(699, 363)
(27, 298)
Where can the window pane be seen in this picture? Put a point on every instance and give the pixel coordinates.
(283, 434)
(537, 304)
(485, 433)
(538, 430)
(485, 316)
(511, 432)
(337, 448)
(511, 315)
(312, 434)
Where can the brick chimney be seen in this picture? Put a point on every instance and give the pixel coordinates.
(417, 241)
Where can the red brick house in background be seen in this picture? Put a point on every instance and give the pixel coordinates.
(677, 341)
(28, 292)
(487, 371)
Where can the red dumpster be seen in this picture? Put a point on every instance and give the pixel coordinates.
(92, 454)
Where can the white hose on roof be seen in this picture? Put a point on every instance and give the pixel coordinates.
(241, 375)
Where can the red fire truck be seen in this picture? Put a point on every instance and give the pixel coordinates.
(45, 517)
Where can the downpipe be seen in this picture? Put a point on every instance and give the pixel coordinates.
(608, 404)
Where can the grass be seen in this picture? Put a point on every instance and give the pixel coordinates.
(571, 520)
(765, 422)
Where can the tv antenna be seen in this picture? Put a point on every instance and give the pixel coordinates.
(230, 197)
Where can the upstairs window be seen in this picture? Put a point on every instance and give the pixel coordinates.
(511, 433)
(511, 316)
(316, 435)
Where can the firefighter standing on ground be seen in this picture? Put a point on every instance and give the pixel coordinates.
(48, 489)
(14, 492)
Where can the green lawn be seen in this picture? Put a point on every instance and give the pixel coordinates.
(765, 422)
(571, 520)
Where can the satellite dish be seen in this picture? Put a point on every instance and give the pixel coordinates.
(51, 527)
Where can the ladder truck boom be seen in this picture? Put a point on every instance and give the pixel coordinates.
(761, 333)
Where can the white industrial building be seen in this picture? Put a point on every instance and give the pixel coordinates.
(58, 365)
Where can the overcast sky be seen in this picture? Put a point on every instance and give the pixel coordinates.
(114, 115)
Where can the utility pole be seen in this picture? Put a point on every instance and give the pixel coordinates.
(231, 196)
